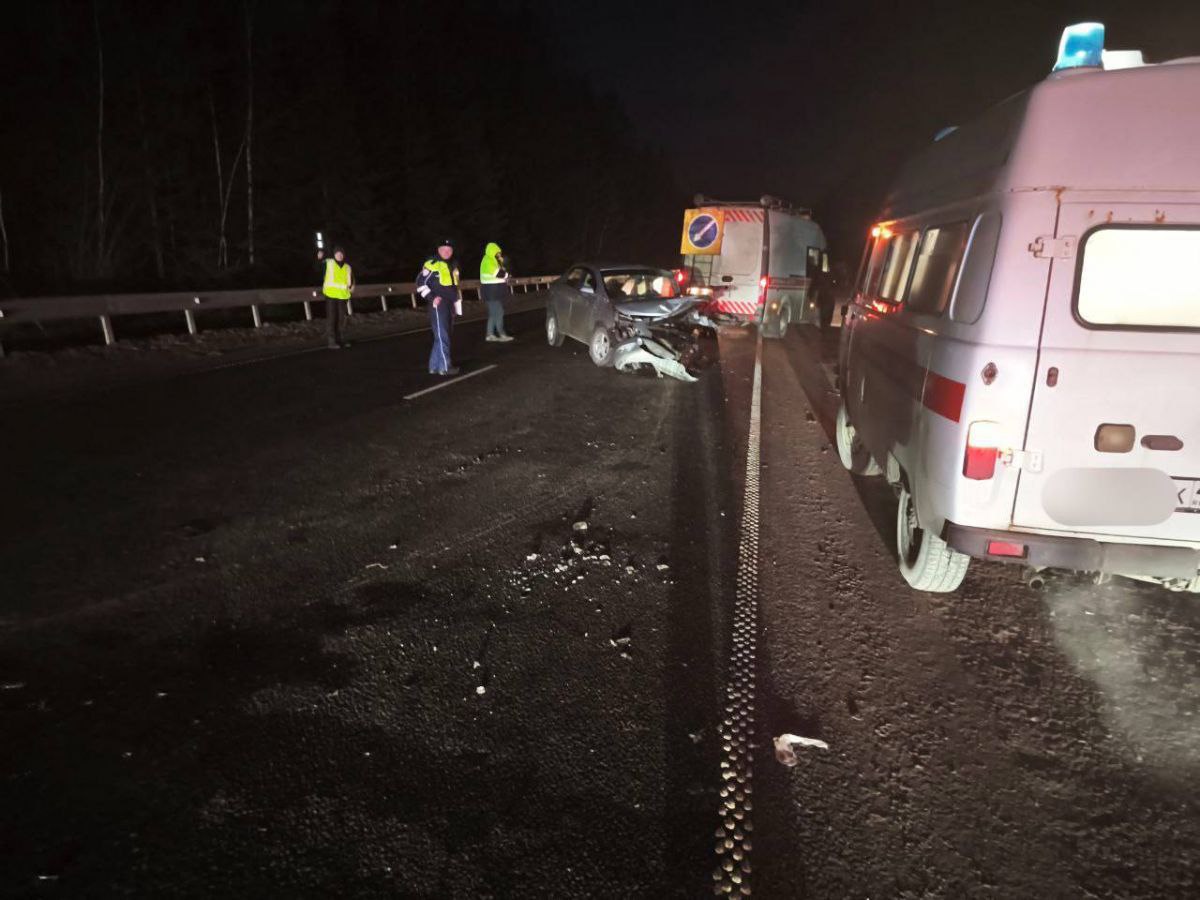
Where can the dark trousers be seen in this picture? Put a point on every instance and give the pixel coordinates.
(333, 319)
(441, 323)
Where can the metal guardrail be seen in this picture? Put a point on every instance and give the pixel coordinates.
(104, 307)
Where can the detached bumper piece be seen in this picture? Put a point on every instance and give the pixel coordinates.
(648, 351)
(1044, 551)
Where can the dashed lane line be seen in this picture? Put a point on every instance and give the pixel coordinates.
(438, 387)
(732, 872)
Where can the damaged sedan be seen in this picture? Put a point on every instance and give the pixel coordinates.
(631, 317)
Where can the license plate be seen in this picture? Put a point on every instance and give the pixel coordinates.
(1187, 493)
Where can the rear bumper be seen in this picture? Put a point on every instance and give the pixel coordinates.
(1080, 554)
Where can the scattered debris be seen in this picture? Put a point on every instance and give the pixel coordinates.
(580, 526)
(662, 567)
(199, 559)
(481, 690)
(531, 557)
(786, 744)
(12, 685)
(376, 565)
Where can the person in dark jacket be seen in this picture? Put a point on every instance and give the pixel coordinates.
(337, 287)
(437, 283)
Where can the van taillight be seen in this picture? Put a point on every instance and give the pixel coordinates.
(1006, 548)
(983, 449)
(762, 291)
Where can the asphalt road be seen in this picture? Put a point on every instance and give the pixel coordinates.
(273, 630)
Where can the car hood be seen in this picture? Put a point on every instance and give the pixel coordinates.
(657, 308)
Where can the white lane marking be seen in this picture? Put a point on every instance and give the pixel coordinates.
(438, 387)
(732, 872)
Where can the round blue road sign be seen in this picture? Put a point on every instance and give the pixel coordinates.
(703, 231)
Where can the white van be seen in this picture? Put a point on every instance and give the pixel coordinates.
(769, 254)
(1022, 354)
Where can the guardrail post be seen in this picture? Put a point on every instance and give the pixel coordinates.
(106, 327)
(254, 311)
(191, 321)
(307, 311)
(383, 302)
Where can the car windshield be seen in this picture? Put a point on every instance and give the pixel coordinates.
(639, 284)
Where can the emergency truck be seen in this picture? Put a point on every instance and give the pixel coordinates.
(1021, 358)
(757, 261)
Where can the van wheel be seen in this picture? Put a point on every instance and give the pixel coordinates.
(554, 335)
(601, 348)
(926, 561)
(851, 452)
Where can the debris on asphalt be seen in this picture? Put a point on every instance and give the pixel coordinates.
(580, 526)
(786, 744)
(12, 685)
(481, 690)
(376, 565)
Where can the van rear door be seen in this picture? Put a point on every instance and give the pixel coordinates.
(739, 266)
(1113, 437)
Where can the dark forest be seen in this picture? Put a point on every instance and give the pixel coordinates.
(164, 145)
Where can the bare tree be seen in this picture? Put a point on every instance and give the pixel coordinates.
(249, 9)
(3, 233)
(224, 188)
(151, 194)
(100, 237)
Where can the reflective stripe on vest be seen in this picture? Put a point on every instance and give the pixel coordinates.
(337, 280)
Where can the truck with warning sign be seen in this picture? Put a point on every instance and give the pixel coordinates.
(758, 261)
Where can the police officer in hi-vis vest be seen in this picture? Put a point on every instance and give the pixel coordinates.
(438, 284)
(337, 288)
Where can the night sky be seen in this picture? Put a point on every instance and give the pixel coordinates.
(570, 129)
(819, 102)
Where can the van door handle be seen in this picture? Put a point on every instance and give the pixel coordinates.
(1161, 442)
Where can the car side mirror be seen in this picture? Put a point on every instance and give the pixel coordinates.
(587, 289)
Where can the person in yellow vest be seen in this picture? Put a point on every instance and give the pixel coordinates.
(493, 285)
(337, 288)
(437, 284)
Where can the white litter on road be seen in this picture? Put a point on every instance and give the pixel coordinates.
(786, 744)
(447, 383)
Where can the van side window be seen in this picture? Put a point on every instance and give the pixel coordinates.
(967, 305)
(899, 264)
(938, 258)
(873, 265)
(575, 277)
(814, 261)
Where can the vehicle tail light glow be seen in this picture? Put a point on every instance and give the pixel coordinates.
(681, 275)
(762, 282)
(983, 449)
(1006, 548)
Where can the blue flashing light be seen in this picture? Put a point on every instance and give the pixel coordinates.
(1081, 45)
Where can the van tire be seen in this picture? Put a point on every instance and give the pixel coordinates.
(854, 456)
(780, 326)
(554, 335)
(926, 561)
(602, 348)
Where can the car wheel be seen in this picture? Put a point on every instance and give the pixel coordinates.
(554, 335)
(854, 456)
(601, 348)
(785, 319)
(926, 561)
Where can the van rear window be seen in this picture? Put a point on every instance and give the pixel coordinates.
(1140, 277)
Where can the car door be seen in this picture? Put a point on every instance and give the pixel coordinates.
(566, 298)
(583, 310)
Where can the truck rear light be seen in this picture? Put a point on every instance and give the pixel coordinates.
(762, 282)
(1006, 548)
(983, 449)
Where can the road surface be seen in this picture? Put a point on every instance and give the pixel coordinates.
(273, 629)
